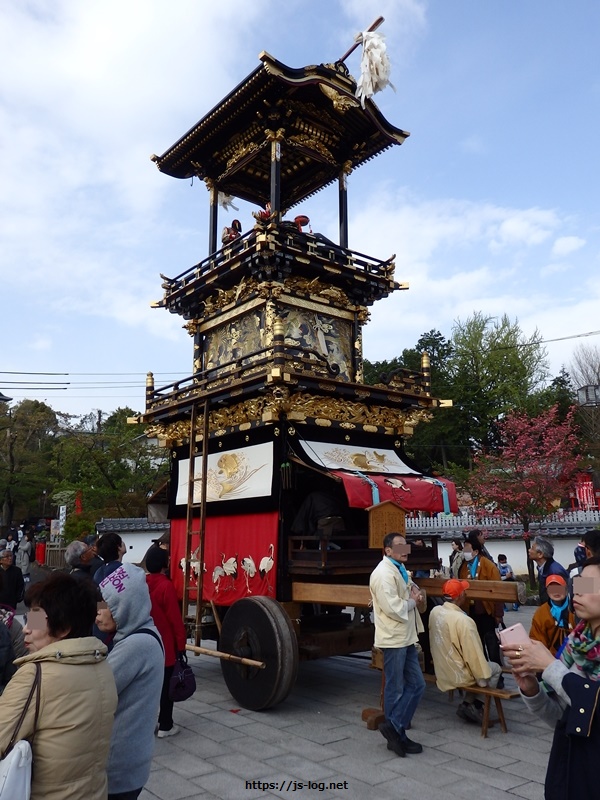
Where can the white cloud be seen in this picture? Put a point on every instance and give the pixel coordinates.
(565, 245)
(87, 222)
(554, 269)
(527, 227)
(460, 257)
(473, 144)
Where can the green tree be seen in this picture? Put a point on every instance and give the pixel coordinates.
(559, 393)
(492, 370)
(109, 464)
(28, 430)
(436, 443)
(430, 441)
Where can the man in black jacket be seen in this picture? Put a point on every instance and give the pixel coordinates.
(12, 585)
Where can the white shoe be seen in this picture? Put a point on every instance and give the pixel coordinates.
(174, 730)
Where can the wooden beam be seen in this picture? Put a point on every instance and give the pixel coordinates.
(332, 594)
(351, 595)
(498, 591)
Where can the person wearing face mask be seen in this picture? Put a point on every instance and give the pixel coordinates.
(553, 621)
(479, 536)
(486, 614)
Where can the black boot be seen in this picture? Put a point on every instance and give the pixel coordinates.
(387, 730)
(409, 746)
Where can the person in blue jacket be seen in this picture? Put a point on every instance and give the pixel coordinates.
(137, 662)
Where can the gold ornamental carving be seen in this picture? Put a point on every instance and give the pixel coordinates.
(340, 102)
(241, 151)
(192, 327)
(275, 136)
(222, 298)
(310, 142)
(309, 111)
(344, 411)
(317, 288)
(267, 407)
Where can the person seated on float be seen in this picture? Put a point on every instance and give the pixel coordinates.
(232, 232)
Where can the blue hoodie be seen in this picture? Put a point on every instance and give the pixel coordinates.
(137, 662)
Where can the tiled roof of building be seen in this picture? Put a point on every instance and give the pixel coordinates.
(131, 525)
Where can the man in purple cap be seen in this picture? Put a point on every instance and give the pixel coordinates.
(457, 651)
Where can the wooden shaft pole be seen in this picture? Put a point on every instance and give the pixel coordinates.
(203, 651)
(373, 27)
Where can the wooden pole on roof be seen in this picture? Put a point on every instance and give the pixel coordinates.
(372, 28)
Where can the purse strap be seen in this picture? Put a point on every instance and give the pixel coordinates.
(35, 685)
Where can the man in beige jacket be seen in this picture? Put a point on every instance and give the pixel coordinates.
(397, 625)
(457, 651)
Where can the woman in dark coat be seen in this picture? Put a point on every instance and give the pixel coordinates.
(568, 697)
(167, 618)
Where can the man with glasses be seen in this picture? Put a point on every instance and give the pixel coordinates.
(542, 553)
(396, 603)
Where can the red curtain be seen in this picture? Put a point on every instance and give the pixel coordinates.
(240, 556)
(411, 492)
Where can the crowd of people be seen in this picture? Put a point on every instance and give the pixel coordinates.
(92, 662)
(99, 642)
(556, 667)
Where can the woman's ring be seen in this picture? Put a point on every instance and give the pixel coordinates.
(517, 654)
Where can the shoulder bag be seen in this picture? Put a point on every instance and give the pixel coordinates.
(17, 761)
(183, 681)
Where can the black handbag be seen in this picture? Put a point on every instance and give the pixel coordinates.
(183, 681)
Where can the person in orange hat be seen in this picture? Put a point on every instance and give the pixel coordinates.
(457, 651)
(553, 621)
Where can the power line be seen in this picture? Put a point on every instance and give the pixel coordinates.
(79, 374)
(537, 342)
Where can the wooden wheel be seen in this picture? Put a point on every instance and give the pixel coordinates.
(259, 628)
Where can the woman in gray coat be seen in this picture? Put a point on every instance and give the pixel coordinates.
(25, 555)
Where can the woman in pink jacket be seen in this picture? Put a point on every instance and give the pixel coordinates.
(167, 618)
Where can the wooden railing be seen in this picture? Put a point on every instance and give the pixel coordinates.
(463, 522)
(55, 555)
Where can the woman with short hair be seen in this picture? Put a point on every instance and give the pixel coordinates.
(77, 693)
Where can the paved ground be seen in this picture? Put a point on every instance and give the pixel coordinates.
(316, 737)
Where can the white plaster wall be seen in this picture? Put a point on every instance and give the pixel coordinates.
(137, 544)
(514, 550)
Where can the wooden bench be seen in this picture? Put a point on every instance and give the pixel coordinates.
(375, 716)
(499, 695)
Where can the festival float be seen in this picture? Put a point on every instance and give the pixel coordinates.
(286, 468)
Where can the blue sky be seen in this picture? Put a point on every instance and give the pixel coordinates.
(491, 205)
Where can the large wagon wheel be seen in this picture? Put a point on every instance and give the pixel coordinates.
(259, 628)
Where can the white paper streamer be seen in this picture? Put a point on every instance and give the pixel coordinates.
(375, 66)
